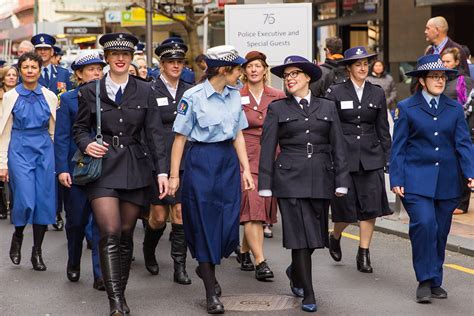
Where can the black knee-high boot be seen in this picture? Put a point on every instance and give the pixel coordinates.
(110, 264)
(126, 255)
(152, 237)
(179, 250)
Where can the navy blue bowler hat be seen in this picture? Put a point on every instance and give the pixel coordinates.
(118, 41)
(309, 68)
(355, 53)
(43, 40)
(87, 58)
(429, 63)
(140, 48)
(171, 48)
(222, 56)
(58, 51)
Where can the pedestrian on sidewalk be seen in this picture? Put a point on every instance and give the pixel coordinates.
(362, 109)
(431, 149)
(255, 210)
(210, 116)
(168, 89)
(310, 169)
(378, 75)
(133, 146)
(87, 67)
(27, 157)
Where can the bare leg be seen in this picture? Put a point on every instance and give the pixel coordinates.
(338, 229)
(253, 232)
(366, 232)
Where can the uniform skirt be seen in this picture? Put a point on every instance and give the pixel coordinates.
(138, 197)
(167, 200)
(366, 199)
(211, 200)
(305, 222)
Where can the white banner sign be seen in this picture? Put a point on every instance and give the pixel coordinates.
(277, 30)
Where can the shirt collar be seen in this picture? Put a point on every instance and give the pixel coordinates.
(441, 45)
(114, 87)
(209, 89)
(49, 68)
(356, 87)
(308, 98)
(25, 92)
(428, 96)
(167, 83)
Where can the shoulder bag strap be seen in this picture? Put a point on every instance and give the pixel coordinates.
(98, 137)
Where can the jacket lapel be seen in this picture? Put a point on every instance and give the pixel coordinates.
(53, 81)
(294, 106)
(104, 96)
(163, 89)
(314, 104)
(351, 91)
(130, 90)
(444, 101)
(420, 100)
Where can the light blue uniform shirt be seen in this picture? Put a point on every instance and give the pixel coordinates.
(207, 116)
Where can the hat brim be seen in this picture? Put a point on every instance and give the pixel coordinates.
(313, 71)
(420, 73)
(347, 61)
(174, 56)
(128, 49)
(223, 63)
(43, 46)
(91, 62)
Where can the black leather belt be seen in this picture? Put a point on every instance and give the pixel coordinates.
(121, 141)
(306, 149)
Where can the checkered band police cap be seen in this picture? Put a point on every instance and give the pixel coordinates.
(87, 58)
(224, 55)
(429, 63)
(118, 41)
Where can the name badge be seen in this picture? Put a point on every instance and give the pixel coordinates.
(347, 105)
(162, 101)
(245, 99)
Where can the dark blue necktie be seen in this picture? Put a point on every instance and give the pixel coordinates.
(305, 105)
(118, 96)
(434, 104)
(46, 76)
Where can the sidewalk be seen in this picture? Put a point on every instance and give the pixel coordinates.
(461, 237)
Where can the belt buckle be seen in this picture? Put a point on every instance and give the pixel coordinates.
(115, 141)
(309, 148)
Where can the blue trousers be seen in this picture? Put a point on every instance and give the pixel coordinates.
(430, 222)
(78, 216)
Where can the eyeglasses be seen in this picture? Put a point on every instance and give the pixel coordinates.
(438, 77)
(292, 74)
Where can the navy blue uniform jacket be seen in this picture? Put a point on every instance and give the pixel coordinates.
(431, 148)
(59, 80)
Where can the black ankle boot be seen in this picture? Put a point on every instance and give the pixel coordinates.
(15, 249)
(37, 259)
(245, 261)
(363, 261)
(126, 254)
(152, 237)
(178, 253)
(335, 247)
(110, 264)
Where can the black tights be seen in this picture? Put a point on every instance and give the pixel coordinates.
(301, 271)
(208, 273)
(38, 233)
(115, 217)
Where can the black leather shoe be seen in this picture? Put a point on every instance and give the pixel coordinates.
(423, 292)
(438, 292)
(267, 233)
(15, 249)
(363, 260)
(214, 305)
(297, 291)
(99, 284)
(335, 248)
(217, 286)
(37, 259)
(59, 226)
(263, 272)
(73, 273)
(245, 261)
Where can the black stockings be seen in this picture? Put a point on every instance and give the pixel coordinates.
(114, 217)
(38, 233)
(302, 273)
(208, 273)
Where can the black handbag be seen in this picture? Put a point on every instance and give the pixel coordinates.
(88, 169)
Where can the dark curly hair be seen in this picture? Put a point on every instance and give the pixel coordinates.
(30, 56)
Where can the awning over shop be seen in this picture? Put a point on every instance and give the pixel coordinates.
(424, 3)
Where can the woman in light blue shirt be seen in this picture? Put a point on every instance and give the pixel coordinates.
(210, 116)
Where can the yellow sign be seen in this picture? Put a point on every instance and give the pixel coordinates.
(137, 17)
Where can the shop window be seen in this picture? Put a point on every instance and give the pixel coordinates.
(323, 32)
(353, 7)
(326, 11)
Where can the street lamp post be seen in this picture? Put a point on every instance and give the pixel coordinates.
(149, 32)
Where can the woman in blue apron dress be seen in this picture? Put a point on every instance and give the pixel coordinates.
(27, 127)
(210, 116)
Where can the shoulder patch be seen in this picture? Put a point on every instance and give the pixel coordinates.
(396, 113)
(329, 90)
(183, 107)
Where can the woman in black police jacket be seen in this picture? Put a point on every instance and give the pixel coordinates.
(129, 109)
(310, 169)
(362, 110)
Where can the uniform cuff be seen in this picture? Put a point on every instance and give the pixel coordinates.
(342, 190)
(265, 193)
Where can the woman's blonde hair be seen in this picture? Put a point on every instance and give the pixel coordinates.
(5, 70)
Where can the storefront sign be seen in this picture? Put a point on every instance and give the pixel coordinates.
(277, 30)
(78, 30)
(137, 17)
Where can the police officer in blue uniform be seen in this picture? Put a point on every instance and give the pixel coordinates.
(58, 54)
(362, 110)
(211, 117)
(57, 80)
(431, 150)
(169, 89)
(87, 66)
(187, 75)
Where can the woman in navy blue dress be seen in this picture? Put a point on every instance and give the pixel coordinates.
(210, 116)
(27, 157)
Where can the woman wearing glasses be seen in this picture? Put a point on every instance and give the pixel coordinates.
(362, 110)
(310, 169)
(431, 150)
